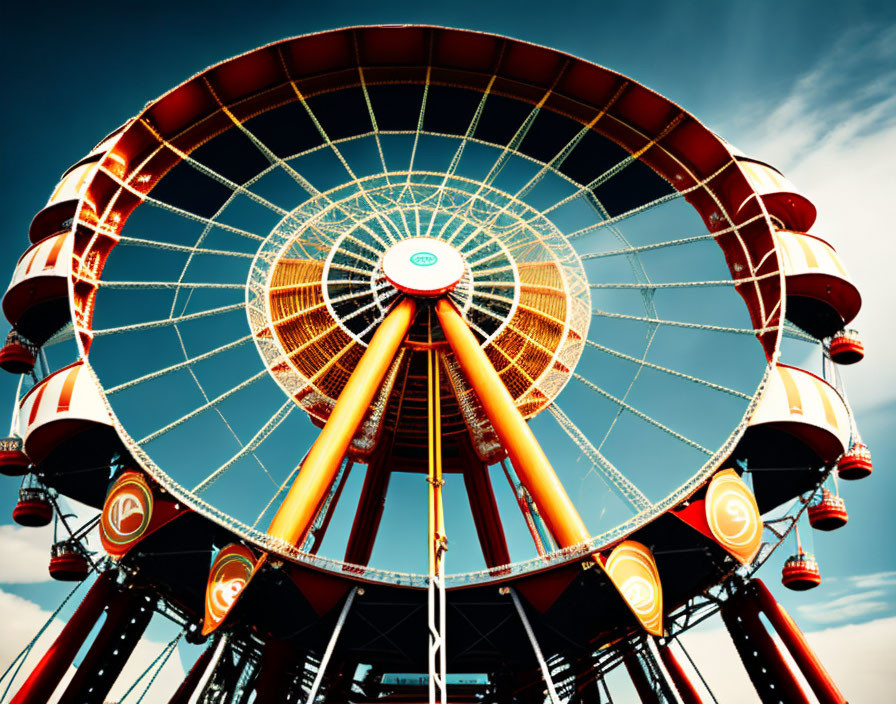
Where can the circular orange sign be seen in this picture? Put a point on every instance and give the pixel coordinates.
(126, 513)
(733, 515)
(229, 575)
(632, 569)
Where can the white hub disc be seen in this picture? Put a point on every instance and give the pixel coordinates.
(423, 266)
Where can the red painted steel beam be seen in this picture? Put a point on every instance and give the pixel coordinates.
(370, 511)
(44, 679)
(188, 686)
(682, 682)
(128, 616)
(485, 512)
(821, 682)
(646, 693)
(272, 683)
(771, 675)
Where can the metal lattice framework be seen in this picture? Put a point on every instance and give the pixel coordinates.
(241, 348)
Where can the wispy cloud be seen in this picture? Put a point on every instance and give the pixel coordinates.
(846, 608)
(834, 135)
(26, 554)
(873, 581)
(852, 598)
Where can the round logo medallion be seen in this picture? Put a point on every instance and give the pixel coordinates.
(423, 266)
(424, 259)
(229, 575)
(126, 513)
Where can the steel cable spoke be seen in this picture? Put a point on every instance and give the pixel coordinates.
(211, 222)
(640, 414)
(214, 175)
(681, 324)
(275, 160)
(455, 160)
(259, 437)
(612, 477)
(168, 321)
(170, 246)
(667, 370)
(686, 284)
(130, 285)
(179, 366)
(204, 407)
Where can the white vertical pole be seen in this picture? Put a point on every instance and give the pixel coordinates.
(545, 672)
(437, 656)
(319, 677)
(209, 671)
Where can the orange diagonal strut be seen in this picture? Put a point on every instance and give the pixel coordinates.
(529, 460)
(320, 467)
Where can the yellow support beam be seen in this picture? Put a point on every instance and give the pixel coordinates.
(531, 464)
(320, 467)
(437, 537)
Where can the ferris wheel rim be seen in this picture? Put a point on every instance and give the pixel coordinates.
(596, 543)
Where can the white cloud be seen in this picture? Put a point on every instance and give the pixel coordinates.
(858, 657)
(873, 581)
(26, 554)
(833, 135)
(22, 619)
(849, 607)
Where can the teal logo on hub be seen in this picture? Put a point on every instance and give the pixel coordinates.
(424, 259)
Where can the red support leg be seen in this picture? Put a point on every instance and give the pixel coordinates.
(272, 683)
(370, 511)
(646, 693)
(188, 686)
(55, 663)
(771, 675)
(126, 620)
(819, 679)
(684, 686)
(484, 508)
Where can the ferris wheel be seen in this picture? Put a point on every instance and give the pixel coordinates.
(416, 350)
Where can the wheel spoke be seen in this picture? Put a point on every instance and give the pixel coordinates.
(643, 416)
(211, 173)
(179, 366)
(170, 246)
(680, 324)
(455, 160)
(611, 476)
(687, 284)
(168, 321)
(666, 370)
(129, 285)
(250, 447)
(204, 407)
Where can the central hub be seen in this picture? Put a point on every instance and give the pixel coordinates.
(423, 266)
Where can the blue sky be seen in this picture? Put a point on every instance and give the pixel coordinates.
(808, 86)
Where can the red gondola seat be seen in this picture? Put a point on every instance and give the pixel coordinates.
(855, 462)
(18, 355)
(13, 461)
(801, 572)
(829, 513)
(847, 348)
(68, 563)
(33, 509)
